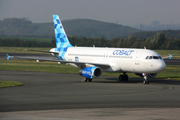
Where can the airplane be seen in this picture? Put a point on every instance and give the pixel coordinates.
(93, 61)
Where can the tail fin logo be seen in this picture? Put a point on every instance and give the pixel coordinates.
(62, 42)
(61, 37)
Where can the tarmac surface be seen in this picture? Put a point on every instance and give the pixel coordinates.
(50, 96)
(53, 96)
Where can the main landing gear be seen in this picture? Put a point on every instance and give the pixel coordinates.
(145, 78)
(123, 77)
(87, 80)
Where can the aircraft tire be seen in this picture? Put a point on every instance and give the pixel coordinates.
(89, 80)
(85, 80)
(146, 82)
(125, 78)
(121, 78)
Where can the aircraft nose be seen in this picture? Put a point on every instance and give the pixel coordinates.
(161, 65)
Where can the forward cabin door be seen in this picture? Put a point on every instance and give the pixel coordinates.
(106, 57)
(138, 55)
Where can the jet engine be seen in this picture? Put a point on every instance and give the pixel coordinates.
(151, 75)
(91, 72)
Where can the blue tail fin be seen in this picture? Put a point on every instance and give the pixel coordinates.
(62, 42)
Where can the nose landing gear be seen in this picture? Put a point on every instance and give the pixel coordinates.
(145, 78)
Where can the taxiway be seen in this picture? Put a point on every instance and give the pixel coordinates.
(65, 96)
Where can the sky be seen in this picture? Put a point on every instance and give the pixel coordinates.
(126, 12)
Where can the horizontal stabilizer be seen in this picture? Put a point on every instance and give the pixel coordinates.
(42, 51)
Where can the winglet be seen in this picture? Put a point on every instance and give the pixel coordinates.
(170, 56)
(8, 57)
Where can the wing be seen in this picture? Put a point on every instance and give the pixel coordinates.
(79, 64)
(170, 56)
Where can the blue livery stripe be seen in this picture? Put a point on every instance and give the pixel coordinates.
(62, 42)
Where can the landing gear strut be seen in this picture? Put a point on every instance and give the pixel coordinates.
(145, 78)
(87, 80)
(123, 77)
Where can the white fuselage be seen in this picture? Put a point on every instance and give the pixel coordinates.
(119, 59)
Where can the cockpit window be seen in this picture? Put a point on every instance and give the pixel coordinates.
(160, 57)
(155, 57)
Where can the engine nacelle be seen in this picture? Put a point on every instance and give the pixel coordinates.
(91, 72)
(152, 75)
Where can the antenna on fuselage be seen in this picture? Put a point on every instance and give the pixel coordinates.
(145, 47)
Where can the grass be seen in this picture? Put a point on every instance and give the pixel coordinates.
(171, 71)
(4, 84)
(28, 38)
(174, 53)
(29, 65)
(21, 50)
